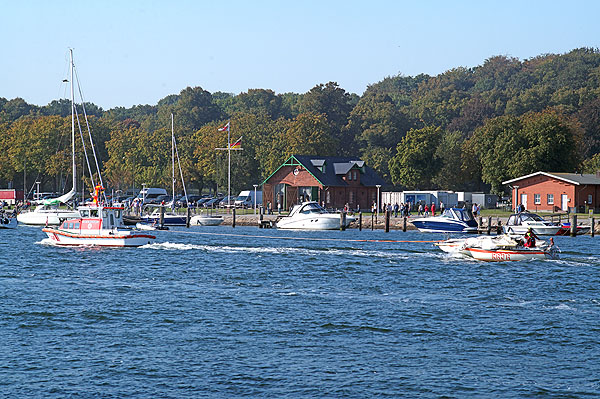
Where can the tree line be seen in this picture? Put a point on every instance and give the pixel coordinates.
(464, 129)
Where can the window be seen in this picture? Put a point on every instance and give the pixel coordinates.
(550, 198)
(589, 199)
(537, 199)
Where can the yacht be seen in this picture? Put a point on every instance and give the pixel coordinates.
(519, 223)
(452, 220)
(312, 216)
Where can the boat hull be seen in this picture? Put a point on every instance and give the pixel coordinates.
(504, 255)
(118, 239)
(313, 222)
(205, 220)
(433, 225)
(538, 230)
(8, 223)
(169, 220)
(46, 218)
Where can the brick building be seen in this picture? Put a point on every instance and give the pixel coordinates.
(553, 192)
(336, 181)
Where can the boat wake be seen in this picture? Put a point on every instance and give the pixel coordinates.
(172, 246)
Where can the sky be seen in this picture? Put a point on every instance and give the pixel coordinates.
(136, 52)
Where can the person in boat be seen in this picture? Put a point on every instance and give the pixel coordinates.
(530, 238)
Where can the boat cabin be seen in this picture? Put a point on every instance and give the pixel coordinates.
(94, 219)
(519, 218)
(463, 215)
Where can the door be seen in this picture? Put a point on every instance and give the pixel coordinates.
(524, 200)
(564, 202)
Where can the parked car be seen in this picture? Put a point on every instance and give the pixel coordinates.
(212, 203)
(203, 201)
(224, 203)
(191, 199)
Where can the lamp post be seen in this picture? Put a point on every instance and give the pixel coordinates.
(516, 203)
(377, 214)
(255, 185)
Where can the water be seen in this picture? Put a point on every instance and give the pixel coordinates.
(231, 315)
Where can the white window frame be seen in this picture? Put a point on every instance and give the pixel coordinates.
(537, 199)
(550, 199)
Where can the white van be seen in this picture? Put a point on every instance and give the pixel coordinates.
(246, 199)
(150, 193)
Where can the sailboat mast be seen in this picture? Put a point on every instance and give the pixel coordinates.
(173, 162)
(228, 167)
(73, 124)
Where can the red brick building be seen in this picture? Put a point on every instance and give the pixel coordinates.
(553, 192)
(336, 181)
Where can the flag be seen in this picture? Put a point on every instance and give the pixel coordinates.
(237, 144)
(224, 128)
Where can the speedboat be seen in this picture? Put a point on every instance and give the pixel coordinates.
(519, 223)
(312, 216)
(452, 220)
(206, 220)
(7, 220)
(97, 226)
(499, 249)
(565, 229)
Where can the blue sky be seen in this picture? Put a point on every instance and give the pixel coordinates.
(139, 51)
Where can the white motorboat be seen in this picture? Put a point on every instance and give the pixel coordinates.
(452, 220)
(206, 220)
(499, 249)
(519, 223)
(46, 215)
(97, 226)
(7, 220)
(312, 216)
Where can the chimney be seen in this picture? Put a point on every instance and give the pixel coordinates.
(598, 174)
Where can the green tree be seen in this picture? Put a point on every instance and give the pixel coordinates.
(415, 164)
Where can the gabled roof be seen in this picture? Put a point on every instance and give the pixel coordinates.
(572, 178)
(329, 171)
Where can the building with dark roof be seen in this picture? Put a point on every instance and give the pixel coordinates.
(544, 191)
(334, 181)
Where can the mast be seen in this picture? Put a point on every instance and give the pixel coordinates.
(228, 167)
(73, 124)
(172, 162)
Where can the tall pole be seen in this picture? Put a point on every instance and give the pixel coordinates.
(377, 214)
(73, 122)
(172, 163)
(255, 185)
(228, 166)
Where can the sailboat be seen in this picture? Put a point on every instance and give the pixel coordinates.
(48, 212)
(95, 224)
(171, 218)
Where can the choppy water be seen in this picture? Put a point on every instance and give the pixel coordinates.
(199, 315)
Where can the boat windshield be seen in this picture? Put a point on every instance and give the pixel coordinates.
(528, 217)
(313, 208)
(458, 214)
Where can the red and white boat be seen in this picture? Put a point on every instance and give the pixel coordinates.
(499, 249)
(98, 226)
